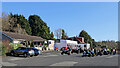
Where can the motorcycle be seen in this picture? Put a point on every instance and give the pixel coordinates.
(92, 54)
(66, 51)
(105, 53)
(86, 53)
(99, 53)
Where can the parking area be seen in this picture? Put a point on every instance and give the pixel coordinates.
(56, 59)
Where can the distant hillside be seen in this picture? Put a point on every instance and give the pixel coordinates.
(108, 44)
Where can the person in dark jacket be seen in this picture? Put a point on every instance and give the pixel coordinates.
(111, 51)
(95, 51)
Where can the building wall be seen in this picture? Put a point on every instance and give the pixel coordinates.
(16, 41)
(64, 43)
(51, 45)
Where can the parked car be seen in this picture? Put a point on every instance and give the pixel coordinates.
(36, 51)
(25, 51)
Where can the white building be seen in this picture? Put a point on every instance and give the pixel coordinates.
(51, 44)
(84, 45)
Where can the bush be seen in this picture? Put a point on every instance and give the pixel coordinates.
(15, 45)
(3, 50)
(6, 46)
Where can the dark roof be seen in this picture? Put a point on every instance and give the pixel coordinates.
(79, 39)
(23, 36)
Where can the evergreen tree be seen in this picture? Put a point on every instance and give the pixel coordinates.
(64, 36)
(20, 19)
(39, 27)
(52, 36)
(87, 37)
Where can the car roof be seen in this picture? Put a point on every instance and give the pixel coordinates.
(22, 47)
(33, 48)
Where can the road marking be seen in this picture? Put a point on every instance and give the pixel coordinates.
(111, 56)
(15, 58)
(49, 55)
(65, 63)
(8, 64)
(52, 55)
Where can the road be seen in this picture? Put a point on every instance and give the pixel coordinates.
(56, 59)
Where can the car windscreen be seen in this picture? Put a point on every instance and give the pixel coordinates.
(35, 49)
(29, 48)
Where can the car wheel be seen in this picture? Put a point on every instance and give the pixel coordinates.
(25, 55)
(35, 54)
(31, 55)
(12, 53)
(16, 55)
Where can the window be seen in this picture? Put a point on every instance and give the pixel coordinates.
(57, 41)
(21, 48)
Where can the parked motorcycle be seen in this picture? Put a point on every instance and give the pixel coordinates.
(92, 54)
(99, 53)
(105, 52)
(66, 51)
(86, 54)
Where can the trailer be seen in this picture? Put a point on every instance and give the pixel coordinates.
(65, 43)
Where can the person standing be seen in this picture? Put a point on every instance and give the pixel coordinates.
(95, 51)
(108, 51)
(111, 51)
(115, 50)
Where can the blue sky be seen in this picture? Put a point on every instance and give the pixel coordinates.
(99, 19)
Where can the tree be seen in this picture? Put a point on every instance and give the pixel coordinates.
(87, 37)
(9, 23)
(39, 27)
(15, 23)
(5, 22)
(23, 23)
(58, 33)
(64, 35)
(52, 36)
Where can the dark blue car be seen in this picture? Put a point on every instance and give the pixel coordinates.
(36, 51)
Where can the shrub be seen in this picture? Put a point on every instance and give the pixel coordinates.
(3, 50)
(6, 46)
(15, 45)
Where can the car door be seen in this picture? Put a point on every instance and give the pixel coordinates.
(21, 50)
(17, 50)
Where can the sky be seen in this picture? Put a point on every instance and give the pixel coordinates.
(99, 19)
